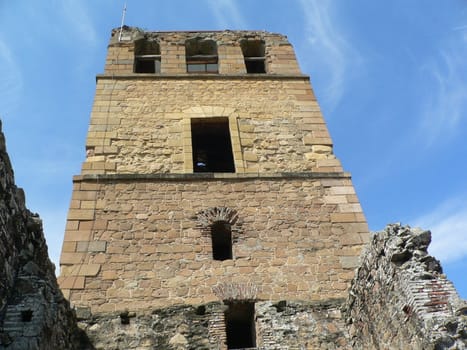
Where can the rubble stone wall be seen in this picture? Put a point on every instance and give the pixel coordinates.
(400, 299)
(143, 125)
(283, 325)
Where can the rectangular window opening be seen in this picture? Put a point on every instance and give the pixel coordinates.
(147, 56)
(201, 56)
(148, 64)
(255, 65)
(211, 145)
(240, 325)
(26, 315)
(254, 54)
(202, 64)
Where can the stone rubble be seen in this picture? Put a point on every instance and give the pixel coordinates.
(400, 298)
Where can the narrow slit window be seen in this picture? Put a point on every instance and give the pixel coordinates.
(201, 56)
(240, 325)
(147, 57)
(211, 145)
(254, 56)
(221, 236)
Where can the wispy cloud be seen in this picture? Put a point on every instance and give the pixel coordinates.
(227, 14)
(462, 27)
(69, 21)
(77, 16)
(333, 49)
(11, 81)
(448, 225)
(446, 75)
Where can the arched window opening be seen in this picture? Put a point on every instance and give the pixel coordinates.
(201, 56)
(221, 236)
(240, 325)
(254, 55)
(147, 57)
(211, 145)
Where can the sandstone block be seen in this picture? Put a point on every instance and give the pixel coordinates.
(349, 262)
(91, 246)
(71, 258)
(71, 282)
(80, 214)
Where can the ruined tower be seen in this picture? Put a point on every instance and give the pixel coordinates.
(210, 212)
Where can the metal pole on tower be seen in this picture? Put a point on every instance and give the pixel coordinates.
(123, 20)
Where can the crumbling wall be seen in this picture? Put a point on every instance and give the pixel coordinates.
(33, 312)
(400, 299)
(282, 325)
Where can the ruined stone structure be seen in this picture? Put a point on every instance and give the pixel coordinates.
(399, 298)
(210, 209)
(211, 213)
(33, 313)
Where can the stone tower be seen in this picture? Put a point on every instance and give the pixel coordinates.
(210, 212)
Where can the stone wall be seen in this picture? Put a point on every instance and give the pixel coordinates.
(140, 123)
(282, 325)
(142, 219)
(146, 241)
(137, 257)
(133, 230)
(400, 299)
(33, 313)
(279, 53)
(143, 125)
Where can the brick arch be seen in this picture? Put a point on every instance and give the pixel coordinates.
(235, 291)
(206, 218)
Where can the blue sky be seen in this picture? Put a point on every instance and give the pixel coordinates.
(390, 77)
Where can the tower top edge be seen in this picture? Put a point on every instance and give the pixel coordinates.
(129, 34)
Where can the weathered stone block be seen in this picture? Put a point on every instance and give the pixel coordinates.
(71, 258)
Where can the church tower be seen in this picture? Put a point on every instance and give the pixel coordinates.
(210, 212)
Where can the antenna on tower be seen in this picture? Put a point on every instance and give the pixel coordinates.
(121, 25)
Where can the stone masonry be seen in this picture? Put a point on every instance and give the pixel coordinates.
(400, 299)
(170, 246)
(309, 325)
(211, 212)
(139, 235)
